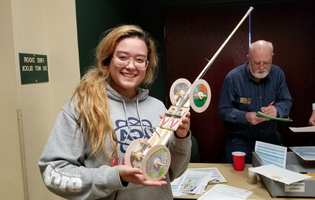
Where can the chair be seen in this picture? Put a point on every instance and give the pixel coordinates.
(280, 139)
(194, 156)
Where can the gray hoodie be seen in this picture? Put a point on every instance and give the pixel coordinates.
(69, 171)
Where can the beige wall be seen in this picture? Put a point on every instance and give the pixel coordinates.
(45, 27)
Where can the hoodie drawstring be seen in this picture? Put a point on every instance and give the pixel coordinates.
(138, 112)
(128, 124)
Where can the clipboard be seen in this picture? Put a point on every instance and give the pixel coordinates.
(260, 114)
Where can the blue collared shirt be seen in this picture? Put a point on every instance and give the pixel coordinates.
(241, 94)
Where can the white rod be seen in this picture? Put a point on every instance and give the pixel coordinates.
(183, 99)
(222, 46)
(22, 153)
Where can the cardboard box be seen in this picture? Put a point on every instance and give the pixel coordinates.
(305, 188)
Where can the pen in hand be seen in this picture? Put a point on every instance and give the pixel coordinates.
(268, 106)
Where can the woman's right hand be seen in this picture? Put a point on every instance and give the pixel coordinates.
(135, 176)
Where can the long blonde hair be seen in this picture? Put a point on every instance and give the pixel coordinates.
(91, 99)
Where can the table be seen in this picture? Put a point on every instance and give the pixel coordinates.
(239, 180)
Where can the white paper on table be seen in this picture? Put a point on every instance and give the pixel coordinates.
(177, 194)
(225, 192)
(279, 174)
(189, 182)
(271, 154)
(175, 184)
(303, 129)
(307, 153)
(213, 171)
(195, 180)
(192, 181)
(202, 185)
(213, 175)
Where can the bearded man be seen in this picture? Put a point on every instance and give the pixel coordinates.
(257, 85)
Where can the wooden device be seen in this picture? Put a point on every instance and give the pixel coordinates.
(151, 155)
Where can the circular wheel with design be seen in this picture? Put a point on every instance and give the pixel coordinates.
(200, 96)
(134, 153)
(178, 89)
(156, 162)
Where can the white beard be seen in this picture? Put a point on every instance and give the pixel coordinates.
(259, 75)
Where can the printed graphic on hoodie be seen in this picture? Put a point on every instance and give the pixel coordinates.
(136, 132)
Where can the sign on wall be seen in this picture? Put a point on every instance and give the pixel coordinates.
(33, 68)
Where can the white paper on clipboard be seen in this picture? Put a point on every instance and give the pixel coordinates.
(303, 129)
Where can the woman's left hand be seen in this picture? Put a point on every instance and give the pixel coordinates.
(183, 127)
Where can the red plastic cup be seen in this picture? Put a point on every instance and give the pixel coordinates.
(238, 160)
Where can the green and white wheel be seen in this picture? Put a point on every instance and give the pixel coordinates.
(156, 163)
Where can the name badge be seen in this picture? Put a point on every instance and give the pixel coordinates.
(245, 100)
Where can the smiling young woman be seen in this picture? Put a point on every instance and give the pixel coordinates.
(84, 156)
